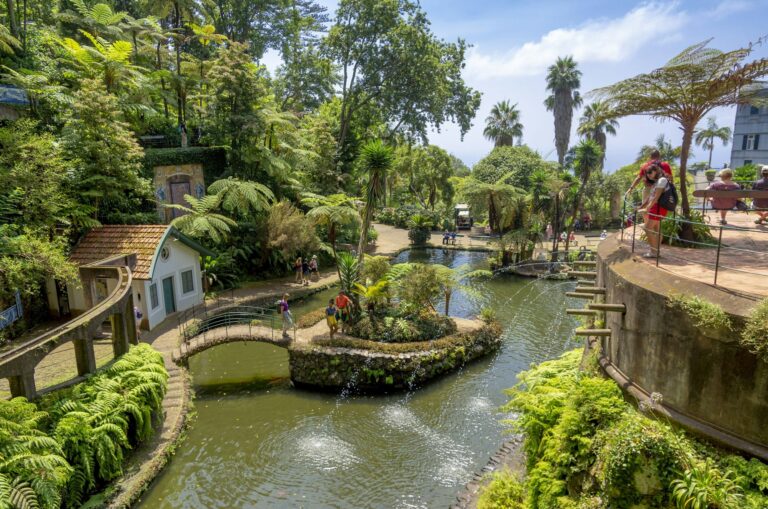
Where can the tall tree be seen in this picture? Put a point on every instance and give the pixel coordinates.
(588, 158)
(331, 211)
(563, 81)
(596, 123)
(667, 151)
(389, 58)
(375, 161)
(706, 137)
(491, 197)
(503, 125)
(688, 87)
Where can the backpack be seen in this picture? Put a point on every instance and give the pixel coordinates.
(669, 197)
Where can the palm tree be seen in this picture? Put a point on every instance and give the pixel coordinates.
(503, 124)
(665, 149)
(375, 160)
(706, 137)
(588, 158)
(563, 80)
(331, 211)
(201, 218)
(111, 61)
(100, 20)
(596, 123)
(688, 87)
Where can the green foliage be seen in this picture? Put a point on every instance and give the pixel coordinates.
(77, 439)
(349, 271)
(311, 318)
(374, 268)
(514, 165)
(290, 231)
(212, 159)
(375, 162)
(505, 491)
(418, 287)
(754, 336)
(746, 173)
(419, 229)
(704, 314)
(587, 448)
(396, 326)
(488, 315)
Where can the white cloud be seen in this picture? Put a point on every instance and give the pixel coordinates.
(728, 7)
(604, 40)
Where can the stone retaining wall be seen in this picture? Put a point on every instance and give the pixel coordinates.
(334, 368)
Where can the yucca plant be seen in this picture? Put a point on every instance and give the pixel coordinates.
(349, 271)
(375, 160)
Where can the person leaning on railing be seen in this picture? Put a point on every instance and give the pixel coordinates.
(761, 204)
(654, 160)
(725, 184)
(657, 182)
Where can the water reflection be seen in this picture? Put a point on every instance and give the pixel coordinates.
(273, 446)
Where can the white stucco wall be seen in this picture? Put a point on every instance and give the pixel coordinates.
(180, 259)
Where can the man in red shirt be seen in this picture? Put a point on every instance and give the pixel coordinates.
(345, 307)
(655, 158)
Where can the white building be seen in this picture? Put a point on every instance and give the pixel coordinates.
(750, 134)
(164, 262)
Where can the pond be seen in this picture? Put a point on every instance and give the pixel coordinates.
(258, 442)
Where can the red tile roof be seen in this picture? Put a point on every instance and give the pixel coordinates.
(113, 240)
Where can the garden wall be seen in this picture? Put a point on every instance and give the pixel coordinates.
(330, 367)
(713, 384)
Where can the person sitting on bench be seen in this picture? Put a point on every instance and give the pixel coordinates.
(761, 204)
(725, 184)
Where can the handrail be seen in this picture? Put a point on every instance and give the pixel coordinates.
(125, 277)
(718, 244)
(219, 316)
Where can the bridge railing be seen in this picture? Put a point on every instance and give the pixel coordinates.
(200, 320)
(670, 224)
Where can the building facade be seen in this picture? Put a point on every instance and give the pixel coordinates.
(750, 135)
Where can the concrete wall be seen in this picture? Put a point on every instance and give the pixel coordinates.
(703, 374)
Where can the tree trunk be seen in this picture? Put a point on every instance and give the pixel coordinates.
(711, 147)
(576, 208)
(556, 226)
(364, 232)
(179, 100)
(447, 301)
(162, 81)
(13, 23)
(687, 229)
(332, 238)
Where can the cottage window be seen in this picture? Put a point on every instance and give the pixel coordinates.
(154, 301)
(187, 282)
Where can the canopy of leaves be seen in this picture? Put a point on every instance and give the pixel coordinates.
(516, 163)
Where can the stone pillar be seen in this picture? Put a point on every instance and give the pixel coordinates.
(23, 385)
(84, 355)
(119, 334)
(130, 323)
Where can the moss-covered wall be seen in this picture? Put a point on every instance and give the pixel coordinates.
(335, 368)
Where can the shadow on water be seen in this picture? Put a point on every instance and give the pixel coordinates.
(265, 444)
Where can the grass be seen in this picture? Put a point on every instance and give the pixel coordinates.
(755, 333)
(704, 314)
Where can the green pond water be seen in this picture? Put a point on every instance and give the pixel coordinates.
(258, 442)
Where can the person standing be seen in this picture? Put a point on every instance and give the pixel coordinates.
(285, 313)
(725, 184)
(305, 272)
(298, 270)
(137, 315)
(761, 204)
(344, 305)
(652, 210)
(641, 175)
(330, 317)
(550, 231)
(314, 272)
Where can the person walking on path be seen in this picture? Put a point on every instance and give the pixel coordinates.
(653, 211)
(761, 204)
(655, 159)
(725, 184)
(550, 231)
(344, 304)
(298, 270)
(330, 317)
(314, 273)
(285, 313)
(137, 314)
(305, 272)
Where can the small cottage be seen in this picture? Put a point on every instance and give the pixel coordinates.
(165, 265)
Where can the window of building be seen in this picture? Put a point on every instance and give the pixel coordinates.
(750, 142)
(747, 161)
(154, 301)
(187, 282)
(754, 110)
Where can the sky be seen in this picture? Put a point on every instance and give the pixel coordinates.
(513, 42)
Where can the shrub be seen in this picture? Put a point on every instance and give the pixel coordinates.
(374, 268)
(420, 229)
(213, 159)
(704, 314)
(397, 328)
(755, 333)
(310, 319)
(505, 491)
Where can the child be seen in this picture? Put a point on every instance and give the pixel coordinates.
(285, 312)
(330, 317)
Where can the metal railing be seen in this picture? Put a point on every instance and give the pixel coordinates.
(201, 320)
(715, 243)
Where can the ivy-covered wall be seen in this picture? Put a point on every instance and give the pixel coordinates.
(367, 370)
(213, 160)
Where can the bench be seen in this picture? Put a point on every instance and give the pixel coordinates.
(735, 194)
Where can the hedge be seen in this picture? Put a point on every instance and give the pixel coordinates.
(213, 159)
